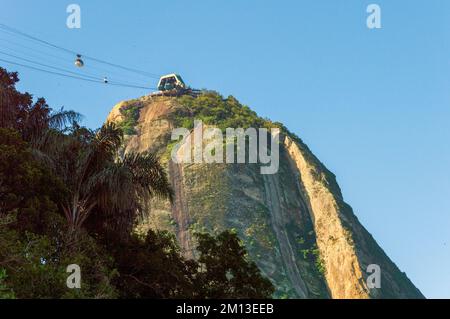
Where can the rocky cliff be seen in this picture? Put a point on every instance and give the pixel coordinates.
(295, 223)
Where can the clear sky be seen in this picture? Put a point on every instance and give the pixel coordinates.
(373, 105)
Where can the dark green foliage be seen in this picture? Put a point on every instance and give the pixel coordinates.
(26, 187)
(34, 246)
(157, 269)
(222, 270)
(36, 266)
(16, 171)
(5, 292)
(227, 271)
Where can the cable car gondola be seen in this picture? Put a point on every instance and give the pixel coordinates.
(78, 62)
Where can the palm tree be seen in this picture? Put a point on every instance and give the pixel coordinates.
(88, 163)
(99, 180)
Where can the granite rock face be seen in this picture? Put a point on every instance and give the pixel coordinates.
(295, 223)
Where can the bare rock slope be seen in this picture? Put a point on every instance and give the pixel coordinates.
(295, 223)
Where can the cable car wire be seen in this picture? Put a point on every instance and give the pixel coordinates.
(49, 72)
(76, 77)
(48, 66)
(93, 77)
(23, 34)
(34, 50)
(37, 54)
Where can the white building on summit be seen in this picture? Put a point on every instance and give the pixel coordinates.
(173, 85)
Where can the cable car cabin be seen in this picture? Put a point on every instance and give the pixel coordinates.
(171, 82)
(173, 85)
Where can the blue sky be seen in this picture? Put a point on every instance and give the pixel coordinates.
(373, 105)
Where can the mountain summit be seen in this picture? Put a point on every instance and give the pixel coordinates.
(295, 223)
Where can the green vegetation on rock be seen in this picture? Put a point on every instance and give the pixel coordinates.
(130, 113)
(213, 109)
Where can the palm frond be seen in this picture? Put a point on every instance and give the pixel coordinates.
(113, 188)
(148, 175)
(109, 139)
(60, 119)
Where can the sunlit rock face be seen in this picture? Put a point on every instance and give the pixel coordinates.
(294, 224)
